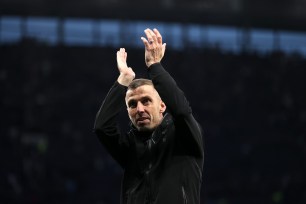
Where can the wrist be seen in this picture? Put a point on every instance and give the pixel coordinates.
(124, 79)
(149, 65)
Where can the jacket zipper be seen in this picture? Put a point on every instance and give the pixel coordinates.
(148, 172)
(129, 198)
(184, 195)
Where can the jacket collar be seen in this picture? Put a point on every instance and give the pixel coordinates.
(157, 134)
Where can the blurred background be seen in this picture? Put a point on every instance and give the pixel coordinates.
(241, 63)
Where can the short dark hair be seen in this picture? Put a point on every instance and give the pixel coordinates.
(139, 82)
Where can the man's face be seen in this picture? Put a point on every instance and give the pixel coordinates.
(145, 107)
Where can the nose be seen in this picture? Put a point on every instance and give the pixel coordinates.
(140, 107)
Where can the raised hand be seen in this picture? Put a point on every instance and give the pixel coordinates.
(154, 47)
(126, 73)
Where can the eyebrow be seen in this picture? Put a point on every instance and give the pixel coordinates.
(142, 98)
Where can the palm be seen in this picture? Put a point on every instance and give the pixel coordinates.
(126, 73)
(121, 63)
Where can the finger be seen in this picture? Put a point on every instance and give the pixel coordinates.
(150, 35)
(145, 42)
(158, 36)
(119, 54)
(122, 53)
(153, 35)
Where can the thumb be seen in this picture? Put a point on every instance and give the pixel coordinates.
(132, 72)
(164, 48)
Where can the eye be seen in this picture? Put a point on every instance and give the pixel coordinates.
(132, 104)
(146, 101)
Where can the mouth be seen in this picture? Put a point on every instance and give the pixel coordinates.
(142, 120)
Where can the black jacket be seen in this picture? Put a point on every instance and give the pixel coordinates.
(164, 167)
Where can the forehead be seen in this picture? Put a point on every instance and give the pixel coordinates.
(145, 90)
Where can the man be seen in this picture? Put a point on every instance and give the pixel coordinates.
(162, 155)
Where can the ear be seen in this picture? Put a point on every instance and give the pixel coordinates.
(162, 107)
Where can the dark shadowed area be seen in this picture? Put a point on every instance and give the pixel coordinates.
(251, 105)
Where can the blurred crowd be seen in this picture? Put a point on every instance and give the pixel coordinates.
(252, 108)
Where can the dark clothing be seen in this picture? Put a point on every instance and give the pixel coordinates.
(164, 167)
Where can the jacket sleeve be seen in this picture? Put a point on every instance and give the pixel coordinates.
(106, 126)
(177, 104)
